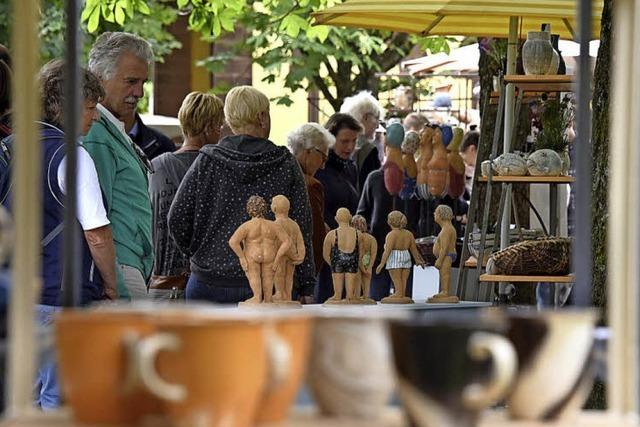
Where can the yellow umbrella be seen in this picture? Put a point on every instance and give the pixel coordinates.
(459, 17)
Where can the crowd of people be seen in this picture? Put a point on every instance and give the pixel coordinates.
(157, 218)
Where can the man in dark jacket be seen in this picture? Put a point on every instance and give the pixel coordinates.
(151, 141)
(210, 203)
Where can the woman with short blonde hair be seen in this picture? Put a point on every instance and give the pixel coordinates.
(201, 117)
(199, 113)
(246, 107)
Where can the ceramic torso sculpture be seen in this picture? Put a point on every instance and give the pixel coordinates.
(260, 245)
(410, 168)
(341, 250)
(284, 275)
(399, 246)
(456, 165)
(367, 257)
(393, 166)
(438, 167)
(445, 250)
(426, 152)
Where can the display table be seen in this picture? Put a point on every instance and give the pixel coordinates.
(392, 418)
(418, 305)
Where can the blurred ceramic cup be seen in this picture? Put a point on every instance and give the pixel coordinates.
(555, 374)
(450, 369)
(350, 372)
(94, 374)
(293, 328)
(210, 368)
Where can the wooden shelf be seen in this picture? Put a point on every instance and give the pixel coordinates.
(520, 79)
(526, 279)
(393, 417)
(530, 179)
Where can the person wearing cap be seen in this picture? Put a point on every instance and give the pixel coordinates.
(380, 197)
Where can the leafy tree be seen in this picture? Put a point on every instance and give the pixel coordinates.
(282, 39)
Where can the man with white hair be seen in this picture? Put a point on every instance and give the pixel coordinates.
(366, 110)
(211, 201)
(121, 61)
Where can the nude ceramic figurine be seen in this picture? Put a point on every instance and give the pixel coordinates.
(260, 245)
(444, 249)
(341, 250)
(367, 259)
(396, 258)
(284, 275)
(426, 152)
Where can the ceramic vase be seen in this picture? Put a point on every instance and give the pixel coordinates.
(537, 53)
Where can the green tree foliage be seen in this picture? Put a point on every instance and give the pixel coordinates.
(282, 39)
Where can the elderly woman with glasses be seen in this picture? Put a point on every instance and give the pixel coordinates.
(310, 145)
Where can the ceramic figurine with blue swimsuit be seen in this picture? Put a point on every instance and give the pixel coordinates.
(444, 249)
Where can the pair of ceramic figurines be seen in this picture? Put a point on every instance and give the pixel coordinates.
(351, 253)
(269, 250)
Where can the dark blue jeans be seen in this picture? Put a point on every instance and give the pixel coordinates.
(198, 291)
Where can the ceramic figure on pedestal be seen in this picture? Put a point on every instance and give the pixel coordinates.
(445, 250)
(399, 246)
(456, 165)
(284, 274)
(409, 147)
(260, 245)
(341, 251)
(426, 152)
(368, 257)
(393, 166)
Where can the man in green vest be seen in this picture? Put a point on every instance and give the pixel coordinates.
(121, 61)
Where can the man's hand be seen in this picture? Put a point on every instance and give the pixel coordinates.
(379, 269)
(243, 264)
(438, 263)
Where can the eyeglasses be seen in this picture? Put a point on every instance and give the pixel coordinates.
(324, 156)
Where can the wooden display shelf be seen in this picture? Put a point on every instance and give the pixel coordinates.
(394, 417)
(526, 279)
(550, 83)
(530, 179)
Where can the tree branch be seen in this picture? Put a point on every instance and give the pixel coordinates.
(320, 84)
(391, 57)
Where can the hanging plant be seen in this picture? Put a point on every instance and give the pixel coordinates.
(554, 119)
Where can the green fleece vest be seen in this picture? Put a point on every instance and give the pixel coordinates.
(124, 183)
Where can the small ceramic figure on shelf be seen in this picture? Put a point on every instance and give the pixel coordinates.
(341, 250)
(438, 177)
(260, 245)
(409, 147)
(444, 249)
(368, 253)
(396, 258)
(393, 166)
(284, 274)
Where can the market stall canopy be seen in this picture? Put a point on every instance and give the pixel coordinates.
(460, 17)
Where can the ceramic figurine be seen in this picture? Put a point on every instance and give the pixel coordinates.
(284, 275)
(409, 147)
(396, 258)
(260, 245)
(438, 167)
(445, 250)
(510, 164)
(456, 165)
(341, 250)
(544, 162)
(426, 152)
(368, 257)
(393, 166)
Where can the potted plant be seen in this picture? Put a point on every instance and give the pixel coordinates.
(550, 127)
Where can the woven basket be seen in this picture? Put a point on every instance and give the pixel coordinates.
(514, 237)
(550, 256)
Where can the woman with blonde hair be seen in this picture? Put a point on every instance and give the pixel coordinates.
(201, 117)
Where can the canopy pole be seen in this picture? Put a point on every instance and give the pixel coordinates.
(26, 208)
(512, 55)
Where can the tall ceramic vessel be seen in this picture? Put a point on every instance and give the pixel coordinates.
(537, 53)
